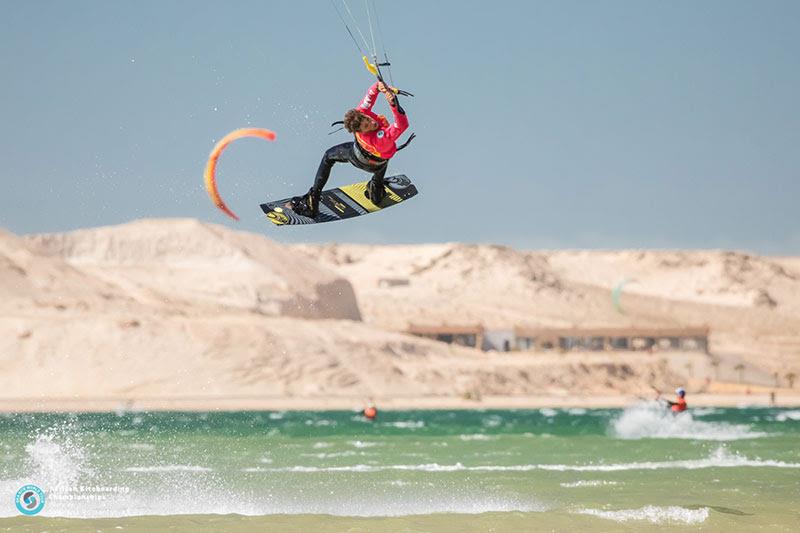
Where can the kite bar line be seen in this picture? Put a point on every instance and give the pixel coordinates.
(355, 24)
(372, 35)
(383, 43)
(355, 42)
(374, 67)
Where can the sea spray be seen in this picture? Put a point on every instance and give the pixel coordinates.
(506, 462)
(652, 420)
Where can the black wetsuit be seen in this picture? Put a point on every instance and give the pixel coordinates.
(352, 153)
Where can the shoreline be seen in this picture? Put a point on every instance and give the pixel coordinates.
(261, 403)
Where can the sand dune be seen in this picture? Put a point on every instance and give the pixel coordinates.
(188, 264)
(183, 309)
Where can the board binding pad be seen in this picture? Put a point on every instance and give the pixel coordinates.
(342, 202)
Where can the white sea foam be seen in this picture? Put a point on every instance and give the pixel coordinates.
(166, 468)
(652, 514)
(323, 455)
(477, 436)
(548, 412)
(651, 420)
(589, 483)
(363, 444)
(492, 421)
(410, 424)
(576, 411)
(320, 423)
(720, 458)
(788, 415)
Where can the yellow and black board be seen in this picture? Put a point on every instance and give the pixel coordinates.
(342, 203)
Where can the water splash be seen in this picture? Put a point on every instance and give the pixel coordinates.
(652, 421)
(55, 459)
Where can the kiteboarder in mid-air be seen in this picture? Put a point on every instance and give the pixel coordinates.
(370, 151)
(374, 145)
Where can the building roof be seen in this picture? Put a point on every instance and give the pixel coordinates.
(693, 331)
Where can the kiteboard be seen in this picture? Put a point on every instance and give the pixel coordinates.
(342, 202)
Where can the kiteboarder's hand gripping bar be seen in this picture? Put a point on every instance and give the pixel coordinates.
(376, 71)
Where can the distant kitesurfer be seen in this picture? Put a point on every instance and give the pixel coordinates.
(374, 145)
(679, 405)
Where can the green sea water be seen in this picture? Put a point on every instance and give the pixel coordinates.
(636, 469)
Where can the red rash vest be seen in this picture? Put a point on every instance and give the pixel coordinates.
(380, 142)
(679, 406)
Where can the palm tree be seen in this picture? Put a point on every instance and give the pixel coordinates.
(790, 377)
(740, 369)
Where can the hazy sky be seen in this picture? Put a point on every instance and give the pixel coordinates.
(600, 124)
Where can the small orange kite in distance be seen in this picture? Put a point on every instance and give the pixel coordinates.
(211, 167)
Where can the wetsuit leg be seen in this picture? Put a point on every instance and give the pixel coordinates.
(335, 154)
(377, 175)
(375, 190)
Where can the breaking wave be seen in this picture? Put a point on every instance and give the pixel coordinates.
(652, 514)
(652, 421)
(720, 458)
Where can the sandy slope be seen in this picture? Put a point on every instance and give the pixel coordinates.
(182, 309)
(751, 304)
(190, 265)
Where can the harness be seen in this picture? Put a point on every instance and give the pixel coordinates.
(366, 158)
(361, 148)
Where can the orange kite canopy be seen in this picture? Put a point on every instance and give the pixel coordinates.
(211, 167)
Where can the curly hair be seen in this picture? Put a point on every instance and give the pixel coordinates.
(353, 120)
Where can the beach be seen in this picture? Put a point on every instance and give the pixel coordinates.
(256, 403)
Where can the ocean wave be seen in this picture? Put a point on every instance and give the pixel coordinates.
(410, 424)
(652, 514)
(588, 483)
(720, 458)
(320, 423)
(652, 421)
(577, 411)
(166, 468)
(363, 444)
(788, 415)
(477, 436)
(323, 455)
